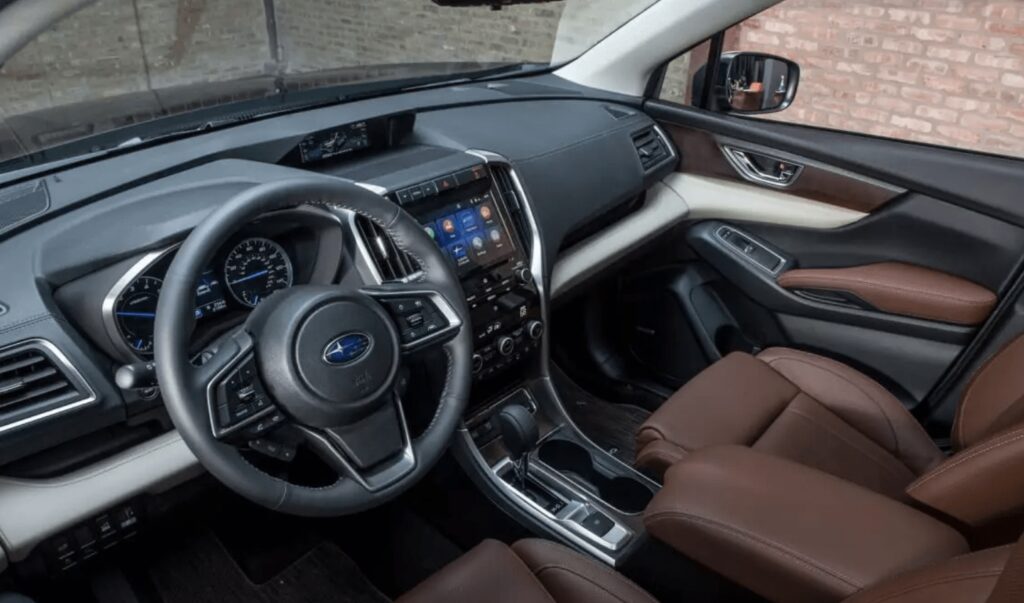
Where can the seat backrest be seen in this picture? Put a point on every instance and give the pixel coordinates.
(990, 576)
(994, 400)
(983, 482)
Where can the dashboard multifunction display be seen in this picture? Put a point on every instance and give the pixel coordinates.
(471, 232)
(332, 143)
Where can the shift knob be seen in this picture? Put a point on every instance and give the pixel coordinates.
(518, 430)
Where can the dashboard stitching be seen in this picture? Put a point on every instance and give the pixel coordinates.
(603, 135)
(25, 322)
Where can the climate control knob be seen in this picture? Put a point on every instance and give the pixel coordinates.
(478, 363)
(524, 276)
(506, 345)
(535, 329)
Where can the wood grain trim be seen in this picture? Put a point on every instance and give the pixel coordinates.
(702, 156)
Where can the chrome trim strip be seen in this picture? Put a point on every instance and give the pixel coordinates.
(110, 300)
(724, 141)
(70, 372)
(674, 155)
(536, 246)
(740, 161)
(367, 268)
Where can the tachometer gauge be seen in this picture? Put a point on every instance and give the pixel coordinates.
(135, 313)
(255, 268)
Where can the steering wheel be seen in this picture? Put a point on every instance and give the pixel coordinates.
(316, 362)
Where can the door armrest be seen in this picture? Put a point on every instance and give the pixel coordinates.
(789, 532)
(902, 289)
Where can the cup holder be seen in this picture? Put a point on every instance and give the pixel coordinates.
(625, 493)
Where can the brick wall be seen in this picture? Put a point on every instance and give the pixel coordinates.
(946, 72)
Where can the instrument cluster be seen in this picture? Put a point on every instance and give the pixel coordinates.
(242, 276)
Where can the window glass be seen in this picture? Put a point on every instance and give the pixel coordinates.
(945, 72)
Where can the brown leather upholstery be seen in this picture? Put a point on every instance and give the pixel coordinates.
(789, 532)
(902, 289)
(980, 484)
(994, 400)
(798, 406)
(531, 571)
(965, 579)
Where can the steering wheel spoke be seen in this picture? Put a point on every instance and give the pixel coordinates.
(375, 452)
(240, 408)
(421, 314)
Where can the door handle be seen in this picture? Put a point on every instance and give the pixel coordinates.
(763, 169)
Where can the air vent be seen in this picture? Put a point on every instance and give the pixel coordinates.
(392, 264)
(651, 148)
(33, 379)
(508, 192)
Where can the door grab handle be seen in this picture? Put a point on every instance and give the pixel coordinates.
(763, 169)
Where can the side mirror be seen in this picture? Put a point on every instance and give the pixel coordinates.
(751, 82)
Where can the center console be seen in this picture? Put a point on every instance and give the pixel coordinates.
(478, 224)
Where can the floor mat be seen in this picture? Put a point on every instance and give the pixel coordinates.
(203, 572)
(611, 426)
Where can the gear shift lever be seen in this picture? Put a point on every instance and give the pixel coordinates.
(520, 434)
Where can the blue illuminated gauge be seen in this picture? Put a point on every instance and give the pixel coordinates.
(135, 313)
(255, 268)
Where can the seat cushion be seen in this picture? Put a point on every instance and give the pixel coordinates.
(530, 571)
(795, 405)
(964, 579)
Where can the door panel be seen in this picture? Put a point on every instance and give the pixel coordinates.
(948, 223)
(702, 155)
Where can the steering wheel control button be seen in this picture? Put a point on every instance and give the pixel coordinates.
(240, 397)
(417, 318)
(277, 450)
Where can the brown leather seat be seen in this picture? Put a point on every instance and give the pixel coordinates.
(539, 571)
(529, 571)
(826, 415)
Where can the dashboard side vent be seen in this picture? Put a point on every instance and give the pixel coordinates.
(392, 264)
(508, 192)
(651, 148)
(32, 377)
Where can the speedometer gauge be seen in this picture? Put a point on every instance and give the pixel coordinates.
(255, 268)
(135, 312)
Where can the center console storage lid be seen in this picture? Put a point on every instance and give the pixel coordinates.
(789, 532)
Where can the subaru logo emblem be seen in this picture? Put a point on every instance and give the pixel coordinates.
(347, 348)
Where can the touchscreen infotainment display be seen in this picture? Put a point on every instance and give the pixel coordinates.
(472, 232)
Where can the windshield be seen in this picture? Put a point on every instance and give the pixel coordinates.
(116, 64)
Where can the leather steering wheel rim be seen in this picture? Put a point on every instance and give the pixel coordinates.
(184, 385)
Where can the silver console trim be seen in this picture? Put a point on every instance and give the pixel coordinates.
(578, 503)
(537, 267)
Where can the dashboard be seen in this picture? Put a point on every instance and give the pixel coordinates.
(501, 178)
